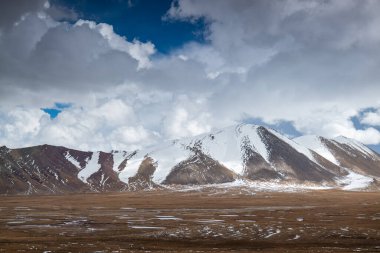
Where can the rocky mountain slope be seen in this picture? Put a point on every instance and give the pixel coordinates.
(240, 154)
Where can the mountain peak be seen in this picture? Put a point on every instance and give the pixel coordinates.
(354, 144)
(4, 149)
(243, 151)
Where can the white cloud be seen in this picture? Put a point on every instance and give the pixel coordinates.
(304, 62)
(371, 118)
(138, 50)
(367, 136)
(309, 62)
(114, 112)
(41, 55)
(187, 118)
(20, 125)
(132, 135)
(102, 126)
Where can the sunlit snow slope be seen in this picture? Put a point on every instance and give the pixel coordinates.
(254, 155)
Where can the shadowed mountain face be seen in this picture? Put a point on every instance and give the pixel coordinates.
(345, 153)
(143, 178)
(364, 162)
(38, 170)
(243, 152)
(293, 164)
(199, 169)
(48, 169)
(285, 162)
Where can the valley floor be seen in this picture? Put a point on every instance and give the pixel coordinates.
(207, 221)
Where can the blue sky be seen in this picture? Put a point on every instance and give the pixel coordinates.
(140, 19)
(359, 125)
(56, 109)
(118, 74)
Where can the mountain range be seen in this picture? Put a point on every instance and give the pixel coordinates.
(242, 155)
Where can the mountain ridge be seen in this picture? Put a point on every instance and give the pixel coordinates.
(243, 152)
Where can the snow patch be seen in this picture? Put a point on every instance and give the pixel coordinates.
(259, 144)
(228, 146)
(315, 143)
(92, 166)
(224, 146)
(72, 160)
(354, 181)
(146, 227)
(272, 233)
(355, 145)
(132, 167)
(166, 158)
(118, 158)
(261, 186)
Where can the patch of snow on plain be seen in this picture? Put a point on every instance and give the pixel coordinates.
(167, 217)
(146, 227)
(296, 237)
(354, 181)
(72, 160)
(315, 143)
(272, 233)
(300, 149)
(91, 167)
(261, 186)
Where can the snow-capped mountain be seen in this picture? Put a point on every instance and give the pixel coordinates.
(244, 153)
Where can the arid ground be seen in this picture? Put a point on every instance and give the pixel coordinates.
(207, 221)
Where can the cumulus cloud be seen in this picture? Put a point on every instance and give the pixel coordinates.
(104, 126)
(40, 54)
(13, 11)
(312, 63)
(371, 118)
(308, 62)
(20, 126)
(367, 136)
(187, 118)
(138, 50)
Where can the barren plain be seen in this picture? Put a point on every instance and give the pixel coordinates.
(192, 221)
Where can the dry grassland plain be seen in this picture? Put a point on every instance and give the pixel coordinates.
(192, 221)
